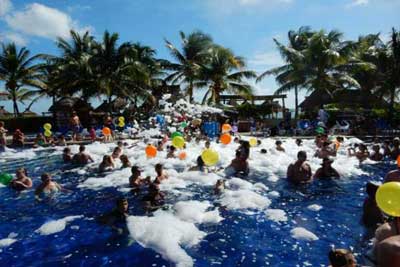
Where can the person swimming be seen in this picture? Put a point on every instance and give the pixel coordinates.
(116, 153)
(171, 152)
(48, 186)
(325, 151)
(238, 166)
(372, 215)
(40, 140)
(125, 161)
(161, 175)
(279, 146)
(362, 153)
(67, 155)
(299, 142)
(300, 171)
(200, 165)
(377, 155)
(117, 216)
(22, 181)
(326, 171)
(107, 164)
(219, 186)
(341, 258)
(154, 198)
(81, 157)
(135, 180)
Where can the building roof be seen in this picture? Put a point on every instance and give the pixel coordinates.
(343, 97)
(68, 103)
(4, 112)
(115, 105)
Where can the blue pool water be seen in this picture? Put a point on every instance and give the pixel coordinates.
(239, 240)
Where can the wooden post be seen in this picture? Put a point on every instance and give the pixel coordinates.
(283, 107)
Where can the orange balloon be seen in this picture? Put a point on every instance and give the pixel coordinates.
(398, 161)
(182, 155)
(106, 131)
(151, 151)
(225, 138)
(226, 128)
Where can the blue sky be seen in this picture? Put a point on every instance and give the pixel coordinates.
(245, 26)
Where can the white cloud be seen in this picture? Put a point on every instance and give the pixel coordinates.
(5, 7)
(228, 7)
(266, 59)
(43, 21)
(355, 3)
(15, 38)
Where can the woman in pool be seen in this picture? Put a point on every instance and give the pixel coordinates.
(161, 175)
(67, 155)
(199, 167)
(362, 153)
(48, 186)
(325, 151)
(107, 164)
(238, 166)
(22, 181)
(326, 171)
(125, 161)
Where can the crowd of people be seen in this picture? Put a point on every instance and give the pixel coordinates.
(387, 237)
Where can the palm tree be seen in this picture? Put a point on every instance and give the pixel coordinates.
(17, 70)
(195, 51)
(389, 70)
(224, 72)
(291, 76)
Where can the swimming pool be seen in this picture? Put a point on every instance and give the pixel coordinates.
(260, 221)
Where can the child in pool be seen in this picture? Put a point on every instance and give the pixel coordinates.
(67, 155)
(279, 146)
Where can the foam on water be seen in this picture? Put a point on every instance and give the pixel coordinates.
(5, 242)
(167, 234)
(196, 212)
(301, 233)
(276, 215)
(56, 226)
(314, 207)
(243, 199)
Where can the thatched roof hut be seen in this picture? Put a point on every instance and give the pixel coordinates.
(63, 108)
(3, 112)
(29, 113)
(351, 98)
(115, 106)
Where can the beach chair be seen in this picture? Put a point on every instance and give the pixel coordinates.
(342, 127)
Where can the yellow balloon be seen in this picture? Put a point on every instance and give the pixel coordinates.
(253, 141)
(121, 119)
(210, 157)
(47, 126)
(388, 198)
(178, 142)
(121, 124)
(47, 133)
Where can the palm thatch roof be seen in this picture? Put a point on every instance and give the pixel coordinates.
(70, 103)
(115, 106)
(351, 98)
(4, 112)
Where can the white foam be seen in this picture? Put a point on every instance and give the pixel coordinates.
(243, 199)
(276, 215)
(5, 242)
(196, 212)
(314, 207)
(167, 235)
(301, 233)
(56, 226)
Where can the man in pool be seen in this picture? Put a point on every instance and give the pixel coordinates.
(48, 186)
(81, 157)
(325, 151)
(300, 171)
(161, 175)
(117, 216)
(326, 170)
(22, 181)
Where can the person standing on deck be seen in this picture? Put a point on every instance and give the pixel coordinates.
(75, 124)
(323, 115)
(3, 137)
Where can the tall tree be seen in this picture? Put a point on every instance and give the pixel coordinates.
(195, 51)
(20, 72)
(224, 72)
(291, 76)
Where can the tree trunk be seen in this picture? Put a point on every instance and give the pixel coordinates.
(190, 92)
(296, 100)
(15, 105)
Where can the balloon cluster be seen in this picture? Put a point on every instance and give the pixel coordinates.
(106, 131)
(47, 129)
(121, 122)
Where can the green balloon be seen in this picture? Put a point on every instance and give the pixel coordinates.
(175, 134)
(320, 130)
(5, 178)
(184, 124)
